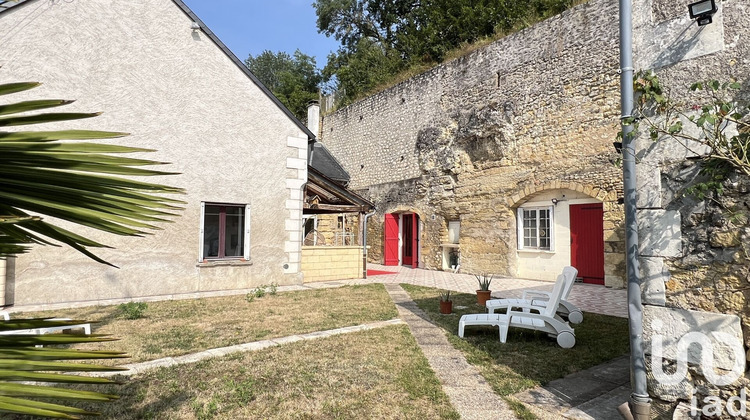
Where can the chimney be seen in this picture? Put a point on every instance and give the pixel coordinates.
(313, 117)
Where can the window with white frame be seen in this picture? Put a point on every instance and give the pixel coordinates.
(535, 228)
(225, 231)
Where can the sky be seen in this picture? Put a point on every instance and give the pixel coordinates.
(252, 26)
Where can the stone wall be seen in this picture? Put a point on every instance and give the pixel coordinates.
(532, 112)
(331, 263)
(694, 257)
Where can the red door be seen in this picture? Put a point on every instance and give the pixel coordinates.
(587, 241)
(390, 253)
(407, 230)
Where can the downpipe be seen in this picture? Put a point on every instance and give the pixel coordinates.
(639, 407)
(364, 243)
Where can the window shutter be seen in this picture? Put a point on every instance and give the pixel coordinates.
(520, 227)
(200, 233)
(551, 228)
(247, 232)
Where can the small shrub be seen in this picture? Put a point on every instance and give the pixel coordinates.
(133, 310)
(272, 289)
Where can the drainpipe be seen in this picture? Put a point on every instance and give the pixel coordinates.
(640, 403)
(364, 244)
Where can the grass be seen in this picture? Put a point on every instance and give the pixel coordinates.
(528, 358)
(172, 328)
(378, 373)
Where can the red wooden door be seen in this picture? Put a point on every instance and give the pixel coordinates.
(587, 241)
(407, 231)
(390, 251)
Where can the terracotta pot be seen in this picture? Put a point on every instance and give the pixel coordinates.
(446, 307)
(483, 296)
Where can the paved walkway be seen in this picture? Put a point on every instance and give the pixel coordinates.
(467, 390)
(588, 297)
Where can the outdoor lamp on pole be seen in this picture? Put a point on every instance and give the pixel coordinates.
(703, 11)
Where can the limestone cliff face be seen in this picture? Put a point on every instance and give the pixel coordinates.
(472, 139)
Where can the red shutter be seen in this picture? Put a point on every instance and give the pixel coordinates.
(587, 241)
(390, 253)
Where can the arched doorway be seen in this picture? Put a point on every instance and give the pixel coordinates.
(401, 244)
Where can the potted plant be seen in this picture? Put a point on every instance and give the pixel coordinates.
(446, 304)
(484, 293)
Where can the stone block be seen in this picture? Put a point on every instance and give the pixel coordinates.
(654, 275)
(659, 233)
(648, 186)
(670, 326)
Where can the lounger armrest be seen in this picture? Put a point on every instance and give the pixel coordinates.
(525, 306)
(535, 293)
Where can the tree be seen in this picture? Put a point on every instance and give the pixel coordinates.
(413, 33)
(43, 174)
(295, 80)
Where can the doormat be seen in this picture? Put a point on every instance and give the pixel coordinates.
(378, 272)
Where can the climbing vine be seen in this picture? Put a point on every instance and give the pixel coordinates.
(716, 127)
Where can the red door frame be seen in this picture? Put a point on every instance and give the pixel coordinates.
(407, 239)
(587, 241)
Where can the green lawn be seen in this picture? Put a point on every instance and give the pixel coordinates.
(375, 374)
(528, 358)
(177, 327)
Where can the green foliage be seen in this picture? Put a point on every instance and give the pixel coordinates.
(25, 368)
(44, 174)
(717, 120)
(445, 296)
(295, 79)
(484, 281)
(382, 38)
(261, 291)
(133, 310)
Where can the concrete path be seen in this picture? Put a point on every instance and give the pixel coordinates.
(591, 394)
(467, 390)
(135, 368)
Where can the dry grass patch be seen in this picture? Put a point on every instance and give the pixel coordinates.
(371, 374)
(172, 328)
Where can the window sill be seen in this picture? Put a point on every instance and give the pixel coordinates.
(535, 251)
(224, 263)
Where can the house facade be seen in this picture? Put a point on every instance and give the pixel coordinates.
(156, 71)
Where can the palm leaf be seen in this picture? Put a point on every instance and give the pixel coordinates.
(27, 106)
(80, 182)
(44, 118)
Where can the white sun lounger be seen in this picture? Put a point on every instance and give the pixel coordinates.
(539, 298)
(520, 316)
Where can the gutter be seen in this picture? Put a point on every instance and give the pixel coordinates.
(364, 243)
(640, 404)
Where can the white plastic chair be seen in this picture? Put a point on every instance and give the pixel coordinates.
(539, 298)
(521, 316)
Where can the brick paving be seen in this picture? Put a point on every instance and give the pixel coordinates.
(588, 297)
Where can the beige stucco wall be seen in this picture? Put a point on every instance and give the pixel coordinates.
(174, 90)
(322, 263)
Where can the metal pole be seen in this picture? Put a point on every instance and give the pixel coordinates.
(640, 403)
